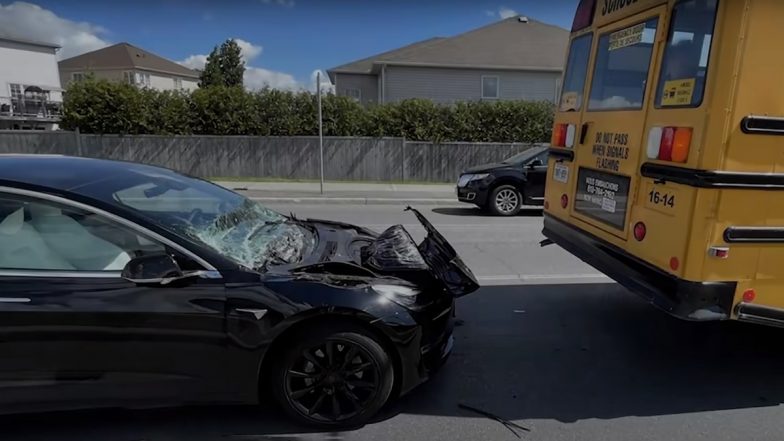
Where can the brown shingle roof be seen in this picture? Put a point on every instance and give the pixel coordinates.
(365, 65)
(126, 56)
(513, 43)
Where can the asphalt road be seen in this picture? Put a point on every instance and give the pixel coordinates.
(568, 361)
(499, 250)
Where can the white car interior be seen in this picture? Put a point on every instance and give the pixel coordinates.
(37, 236)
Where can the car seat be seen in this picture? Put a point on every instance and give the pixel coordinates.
(21, 247)
(74, 242)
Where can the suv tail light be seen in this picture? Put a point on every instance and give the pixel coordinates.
(669, 143)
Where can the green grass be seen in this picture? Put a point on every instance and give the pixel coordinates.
(315, 181)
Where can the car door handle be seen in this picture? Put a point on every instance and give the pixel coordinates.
(256, 314)
(15, 300)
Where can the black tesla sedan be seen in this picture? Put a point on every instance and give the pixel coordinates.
(130, 285)
(504, 188)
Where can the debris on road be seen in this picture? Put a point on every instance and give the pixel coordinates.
(508, 424)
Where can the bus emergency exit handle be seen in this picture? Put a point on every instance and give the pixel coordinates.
(583, 133)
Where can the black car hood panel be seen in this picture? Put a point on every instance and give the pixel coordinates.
(355, 251)
(485, 168)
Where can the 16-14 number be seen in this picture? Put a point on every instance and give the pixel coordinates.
(661, 198)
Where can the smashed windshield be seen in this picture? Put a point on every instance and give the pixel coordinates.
(236, 227)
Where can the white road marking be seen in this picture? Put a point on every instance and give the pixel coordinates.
(439, 226)
(543, 279)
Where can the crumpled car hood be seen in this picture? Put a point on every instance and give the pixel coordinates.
(393, 253)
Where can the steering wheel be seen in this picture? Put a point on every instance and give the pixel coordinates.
(195, 213)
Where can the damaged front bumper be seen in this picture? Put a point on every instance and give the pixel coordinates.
(394, 252)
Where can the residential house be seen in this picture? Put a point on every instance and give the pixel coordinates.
(130, 64)
(30, 92)
(512, 59)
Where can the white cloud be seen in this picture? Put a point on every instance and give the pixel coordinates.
(257, 78)
(285, 3)
(502, 12)
(194, 61)
(248, 50)
(326, 85)
(505, 12)
(31, 22)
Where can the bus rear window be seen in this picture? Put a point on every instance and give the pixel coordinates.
(623, 60)
(685, 65)
(576, 71)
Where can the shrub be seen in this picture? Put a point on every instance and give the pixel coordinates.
(99, 106)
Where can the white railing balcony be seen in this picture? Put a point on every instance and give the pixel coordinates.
(30, 107)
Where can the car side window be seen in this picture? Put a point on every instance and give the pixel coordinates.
(37, 234)
(538, 160)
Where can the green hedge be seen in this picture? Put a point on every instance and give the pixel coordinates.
(97, 106)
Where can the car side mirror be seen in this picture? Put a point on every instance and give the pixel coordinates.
(157, 269)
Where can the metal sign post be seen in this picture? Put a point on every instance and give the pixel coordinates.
(321, 132)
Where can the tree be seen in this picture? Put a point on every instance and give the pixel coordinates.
(232, 66)
(224, 66)
(212, 75)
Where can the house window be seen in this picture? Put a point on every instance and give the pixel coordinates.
(16, 91)
(141, 79)
(177, 83)
(354, 93)
(77, 76)
(490, 87)
(128, 77)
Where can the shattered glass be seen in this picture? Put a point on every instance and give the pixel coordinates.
(255, 236)
(393, 250)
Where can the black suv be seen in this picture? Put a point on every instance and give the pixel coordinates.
(503, 188)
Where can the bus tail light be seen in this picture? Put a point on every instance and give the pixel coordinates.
(749, 295)
(665, 148)
(559, 135)
(571, 130)
(681, 144)
(654, 142)
(584, 15)
(669, 143)
(639, 231)
(719, 252)
(564, 135)
(564, 201)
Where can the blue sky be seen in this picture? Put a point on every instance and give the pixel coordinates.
(287, 37)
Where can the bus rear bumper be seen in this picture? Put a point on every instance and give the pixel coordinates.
(698, 301)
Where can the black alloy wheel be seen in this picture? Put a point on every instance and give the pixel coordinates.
(334, 379)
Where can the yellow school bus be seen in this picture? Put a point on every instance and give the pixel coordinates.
(666, 167)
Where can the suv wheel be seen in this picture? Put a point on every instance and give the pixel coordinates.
(505, 200)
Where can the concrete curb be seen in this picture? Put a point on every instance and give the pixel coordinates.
(326, 200)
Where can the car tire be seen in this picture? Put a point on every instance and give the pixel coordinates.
(505, 200)
(313, 373)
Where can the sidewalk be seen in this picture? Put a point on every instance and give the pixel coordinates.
(360, 193)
